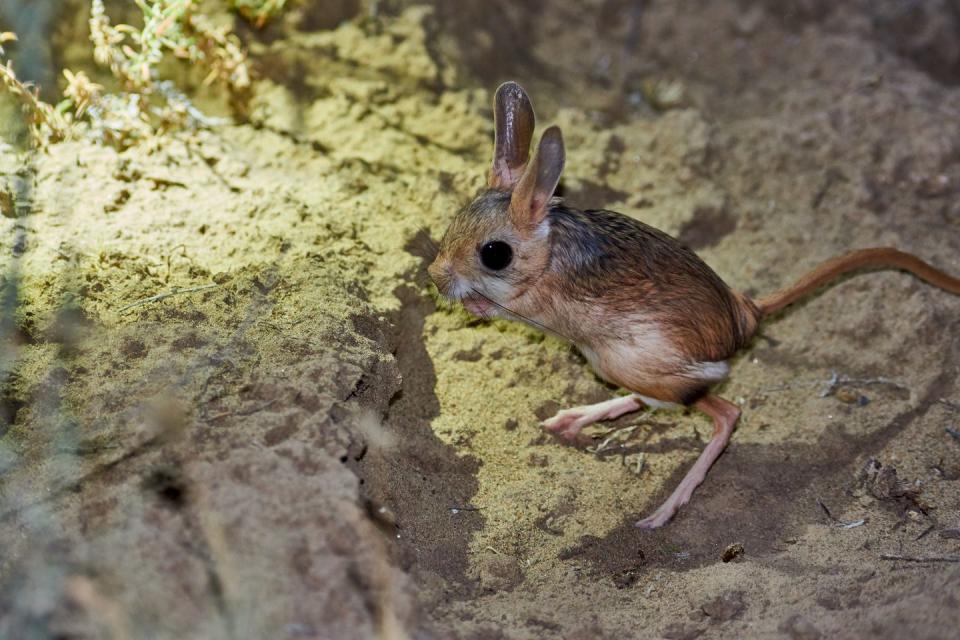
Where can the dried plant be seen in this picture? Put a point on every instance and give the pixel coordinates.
(145, 105)
(171, 27)
(47, 124)
(81, 91)
(258, 11)
(168, 26)
(221, 50)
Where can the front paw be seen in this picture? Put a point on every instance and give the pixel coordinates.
(566, 424)
(657, 519)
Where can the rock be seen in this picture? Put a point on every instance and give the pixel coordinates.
(538, 460)
(883, 483)
(732, 552)
(725, 607)
(799, 628)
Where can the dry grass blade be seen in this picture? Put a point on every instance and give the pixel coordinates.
(46, 123)
(888, 556)
(258, 11)
(163, 296)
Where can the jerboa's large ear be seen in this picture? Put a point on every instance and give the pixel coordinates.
(514, 120)
(528, 204)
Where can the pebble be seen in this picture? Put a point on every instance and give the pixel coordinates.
(732, 552)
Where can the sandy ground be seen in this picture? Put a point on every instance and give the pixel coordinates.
(302, 442)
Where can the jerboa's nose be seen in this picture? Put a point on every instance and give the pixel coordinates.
(441, 272)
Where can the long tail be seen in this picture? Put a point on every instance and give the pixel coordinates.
(862, 259)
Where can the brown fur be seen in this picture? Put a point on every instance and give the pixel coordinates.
(647, 312)
(625, 267)
(862, 259)
(645, 309)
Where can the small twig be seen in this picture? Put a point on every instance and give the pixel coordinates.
(455, 510)
(210, 164)
(782, 387)
(953, 432)
(951, 405)
(829, 386)
(639, 461)
(163, 296)
(840, 523)
(887, 556)
(316, 145)
(159, 182)
(836, 380)
(610, 437)
(418, 137)
(925, 532)
(806, 384)
(242, 412)
(826, 510)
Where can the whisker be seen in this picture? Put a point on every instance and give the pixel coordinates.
(520, 315)
(424, 234)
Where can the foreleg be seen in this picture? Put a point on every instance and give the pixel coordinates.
(569, 422)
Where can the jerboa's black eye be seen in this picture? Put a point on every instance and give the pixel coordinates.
(496, 255)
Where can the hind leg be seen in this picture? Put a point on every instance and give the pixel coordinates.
(725, 415)
(569, 422)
